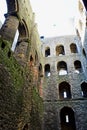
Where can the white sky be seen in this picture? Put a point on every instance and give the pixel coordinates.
(54, 17)
(3, 9)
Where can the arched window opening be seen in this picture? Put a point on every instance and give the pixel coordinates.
(67, 119)
(64, 90)
(31, 59)
(60, 50)
(20, 36)
(47, 52)
(62, 68)
(47, 70)
(31, 63)
(23, 33)
(40, 70)
(84, 89)
(78, 67)
(73, 48)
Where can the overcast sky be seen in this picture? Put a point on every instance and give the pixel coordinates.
(54, 17)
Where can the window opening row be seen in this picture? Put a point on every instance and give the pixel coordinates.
(60, 50)
(62, 68)
(65, 90)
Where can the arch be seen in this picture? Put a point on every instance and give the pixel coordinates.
(47, 70)
(31, 58)
(73, 48)
(12, 6)
(40, 69)
(60, 50)
(31, 61)
(64, 90)
(84, 89)
(21, 35)
(78, 66)
(67, 119)
(47, 51)
(23, 30)
(62, 68)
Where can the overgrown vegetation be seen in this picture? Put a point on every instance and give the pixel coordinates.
(15, 70)
(18, 96)
(37, 111)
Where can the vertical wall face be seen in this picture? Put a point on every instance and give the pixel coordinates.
(20, 69)
(81, 22)
(19, 29)
(64, 75)
(9, 28)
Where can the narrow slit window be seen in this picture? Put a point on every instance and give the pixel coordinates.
(67, 118)
(65, 94)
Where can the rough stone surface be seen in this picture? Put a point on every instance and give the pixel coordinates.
(52, 102)
(31, 94)
(20, 81)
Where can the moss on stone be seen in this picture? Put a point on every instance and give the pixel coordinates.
(15, 70)
(37, 111)
(25, 106)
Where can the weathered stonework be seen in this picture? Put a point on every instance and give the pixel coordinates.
(43, 85)
(53, 103)
(20, 82)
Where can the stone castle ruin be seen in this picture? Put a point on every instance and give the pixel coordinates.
(43, 82)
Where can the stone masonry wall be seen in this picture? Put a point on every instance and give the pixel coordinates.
(20, 71)
(52, 102)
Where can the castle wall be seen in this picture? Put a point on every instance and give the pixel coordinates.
(21, 104)
(53, 103)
